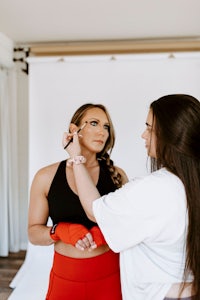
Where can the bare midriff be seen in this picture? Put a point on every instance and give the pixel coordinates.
(70, 251)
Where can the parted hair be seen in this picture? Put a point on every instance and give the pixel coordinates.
(176, 121)
(106, 152)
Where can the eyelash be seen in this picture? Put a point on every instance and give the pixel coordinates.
(95, 123)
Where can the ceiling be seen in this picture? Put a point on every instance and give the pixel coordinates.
(44, 21)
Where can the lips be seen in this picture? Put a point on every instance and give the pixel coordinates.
(99, 142)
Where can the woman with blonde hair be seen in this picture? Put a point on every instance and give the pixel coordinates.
(78, 274)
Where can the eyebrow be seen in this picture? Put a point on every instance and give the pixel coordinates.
(92, 119)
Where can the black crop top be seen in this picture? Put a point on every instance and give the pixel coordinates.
(64, 204)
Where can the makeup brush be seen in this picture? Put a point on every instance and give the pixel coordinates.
(77, 133)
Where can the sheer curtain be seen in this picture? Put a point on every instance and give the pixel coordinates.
(9, 188)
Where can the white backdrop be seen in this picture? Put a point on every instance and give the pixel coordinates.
(126, 85)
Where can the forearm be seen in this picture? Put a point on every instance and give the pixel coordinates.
(40, 235)
(87, 191)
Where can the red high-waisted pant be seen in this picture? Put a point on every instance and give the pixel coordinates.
(96, 278)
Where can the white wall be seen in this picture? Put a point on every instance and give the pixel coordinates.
(125, 85)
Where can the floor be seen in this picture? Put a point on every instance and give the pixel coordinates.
(8, 268)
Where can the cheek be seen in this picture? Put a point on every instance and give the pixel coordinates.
(106, 136)
(153, 146)
(85, 138)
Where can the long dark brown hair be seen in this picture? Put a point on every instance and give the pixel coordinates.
(106, 152)
(177, 127)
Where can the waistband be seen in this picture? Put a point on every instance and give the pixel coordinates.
(84, 269)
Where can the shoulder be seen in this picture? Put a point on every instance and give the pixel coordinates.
(165, 177)
(48, 170)
(160, 178)
(123, 174)
(44, 176)
(158, 186)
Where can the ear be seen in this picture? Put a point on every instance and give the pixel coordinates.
(72, 128)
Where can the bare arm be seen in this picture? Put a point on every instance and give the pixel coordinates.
(38, 231)
(87, 190)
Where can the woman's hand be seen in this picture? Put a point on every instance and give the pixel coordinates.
(92, 240)
(67, 137)
(73, 148)
(87, 243)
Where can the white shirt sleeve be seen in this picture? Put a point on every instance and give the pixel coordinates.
(142, 210)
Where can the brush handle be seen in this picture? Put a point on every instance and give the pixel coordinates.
(77, 133)
(68, 143)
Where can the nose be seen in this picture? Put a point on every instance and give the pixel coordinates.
(144, 134)
(101, 129)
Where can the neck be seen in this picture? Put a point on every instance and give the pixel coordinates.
(91, 159)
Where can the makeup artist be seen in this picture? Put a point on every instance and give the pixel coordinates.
(78, 274)
(154, 221)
